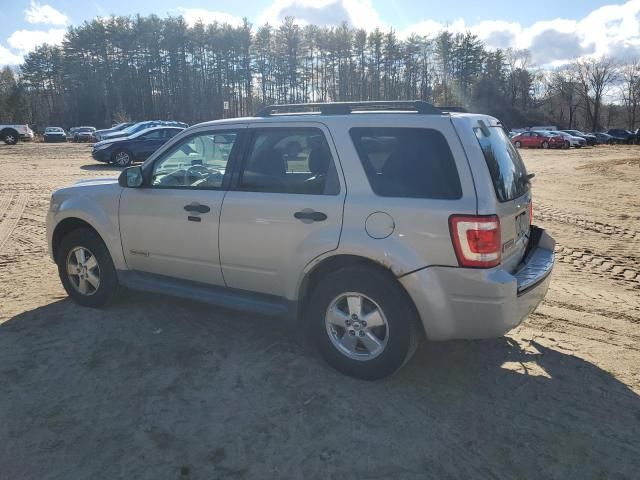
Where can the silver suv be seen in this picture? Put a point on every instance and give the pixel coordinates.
(370, 223)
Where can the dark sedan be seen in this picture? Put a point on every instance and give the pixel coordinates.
(54, 134)
(116, 128)
(622, 136)
(138, 147)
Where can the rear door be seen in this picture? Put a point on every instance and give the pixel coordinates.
(511, 185)
(284, 207)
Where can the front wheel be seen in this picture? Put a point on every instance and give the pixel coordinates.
(363, 322)
(545, 145)
(122, 158)
(518, 145)
(566, 145)
(86, 268)
(10, 138)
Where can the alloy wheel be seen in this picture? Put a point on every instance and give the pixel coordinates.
(357, 326)
(83, 271)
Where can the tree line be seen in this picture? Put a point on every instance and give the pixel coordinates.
(147, 67)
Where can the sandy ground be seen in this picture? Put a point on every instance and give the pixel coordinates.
(166, 389)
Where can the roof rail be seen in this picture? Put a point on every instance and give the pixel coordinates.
(454, 109)
(343, 108)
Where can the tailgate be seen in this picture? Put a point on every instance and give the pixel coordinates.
(512, 191)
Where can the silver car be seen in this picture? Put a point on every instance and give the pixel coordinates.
(371, 224)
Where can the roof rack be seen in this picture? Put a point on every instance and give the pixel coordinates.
(454, 109)
(343, 108)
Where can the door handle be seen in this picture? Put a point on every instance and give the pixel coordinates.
(310, 215)
(196, 207)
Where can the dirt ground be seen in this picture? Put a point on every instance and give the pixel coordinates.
(160, 388)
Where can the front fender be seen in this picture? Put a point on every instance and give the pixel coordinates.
(100, 211)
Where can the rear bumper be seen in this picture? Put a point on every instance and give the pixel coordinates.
(465, 303)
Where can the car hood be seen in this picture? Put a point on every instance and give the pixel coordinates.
(95, 181)
(109, 141)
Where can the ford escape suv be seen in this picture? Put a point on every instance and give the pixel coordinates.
(371, 223)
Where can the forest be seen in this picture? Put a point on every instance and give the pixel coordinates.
(147, 67)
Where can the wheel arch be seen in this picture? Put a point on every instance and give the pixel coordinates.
(336, 262)
(67, 226)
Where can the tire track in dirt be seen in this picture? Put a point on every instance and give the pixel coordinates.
(12, 217)
(544, 212)
(621, 268)
(5, 201)
(594, 310)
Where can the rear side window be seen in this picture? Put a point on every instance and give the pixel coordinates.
(506, 167)
(407, 162)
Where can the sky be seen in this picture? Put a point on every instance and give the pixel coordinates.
(555, 31)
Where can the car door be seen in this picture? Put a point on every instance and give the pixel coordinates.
(526, 139)
(284, 207)
(150, 142)
(170, 225)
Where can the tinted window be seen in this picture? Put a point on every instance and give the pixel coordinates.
(290, 160)
(407, 162)
(507, 169)
(199, 161)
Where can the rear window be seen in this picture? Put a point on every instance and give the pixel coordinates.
(506, 167)
(407, 162)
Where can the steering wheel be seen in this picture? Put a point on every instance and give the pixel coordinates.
(198, 170)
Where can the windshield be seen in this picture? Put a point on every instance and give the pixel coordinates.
(506, 167)
(53, 129)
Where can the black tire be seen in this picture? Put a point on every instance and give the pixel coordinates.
(518, 145)
(545, 145)
(108, 285)
(566, 145)
(10, 137)
(122, 158)
(403, 330)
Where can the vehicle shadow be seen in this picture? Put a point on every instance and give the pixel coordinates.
(101, 167)
(160, 388)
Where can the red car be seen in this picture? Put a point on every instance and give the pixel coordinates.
(539, 140)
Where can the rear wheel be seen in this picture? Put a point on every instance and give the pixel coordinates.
(86, 268)
(545, 144)
(518, 145)
(363, 322)
(122, 158)
(566, 145)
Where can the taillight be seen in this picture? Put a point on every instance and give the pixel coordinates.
(476, 240)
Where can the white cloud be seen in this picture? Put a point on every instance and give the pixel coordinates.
(609, 30)
(357, 13)
(9, 58)
(193, 15)
(25, 41)
(37, 13)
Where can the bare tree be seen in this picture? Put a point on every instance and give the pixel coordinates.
(630, 89)
(595, 76)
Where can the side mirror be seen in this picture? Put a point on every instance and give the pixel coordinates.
(131, 177)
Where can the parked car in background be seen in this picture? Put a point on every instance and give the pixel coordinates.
(84, 134)
(137, 127)
(116, 128)
(574, 141)
(54, 134)
(539, 140)
(603, 138)
(10, 134)
(265, 224)
(622, 136)
(590, 139)
(138, 147)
